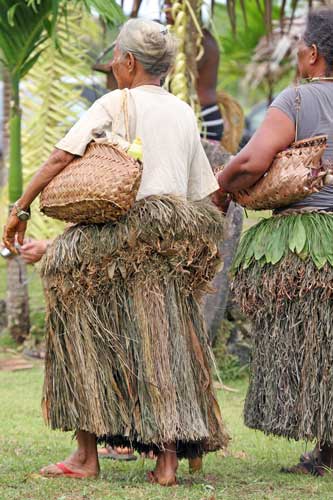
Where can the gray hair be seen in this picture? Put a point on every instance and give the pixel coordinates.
(150, 43)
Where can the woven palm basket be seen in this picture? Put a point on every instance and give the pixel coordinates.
(98, 187)
(294, 174)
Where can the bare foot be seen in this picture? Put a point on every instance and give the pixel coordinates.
(62, 469)
(123, 450)
(104, 451)
(162, 481)
(78, 465)
(195, 464)
(166, 467)
(149, 455)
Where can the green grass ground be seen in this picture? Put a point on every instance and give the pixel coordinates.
(250, 469)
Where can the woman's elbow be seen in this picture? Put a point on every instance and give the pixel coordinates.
(59, 156)
(248, 172)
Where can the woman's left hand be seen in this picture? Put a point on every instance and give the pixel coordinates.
(222, 200)
(14, 230)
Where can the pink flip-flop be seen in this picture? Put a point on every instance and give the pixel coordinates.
(65, 472)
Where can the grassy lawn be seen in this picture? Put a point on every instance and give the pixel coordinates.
(250, 469)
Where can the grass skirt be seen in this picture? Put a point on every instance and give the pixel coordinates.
(127, 352)
(290, 303)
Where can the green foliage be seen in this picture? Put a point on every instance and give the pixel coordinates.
(228, 365)
(52, 100)
(237, 48)
(109, 10)
(307, 235)
(7, 341)
(265, 8)
(24, 26)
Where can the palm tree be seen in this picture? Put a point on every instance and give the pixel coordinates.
(24, 27)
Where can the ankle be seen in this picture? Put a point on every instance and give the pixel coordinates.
(83, 458)
(326, 455)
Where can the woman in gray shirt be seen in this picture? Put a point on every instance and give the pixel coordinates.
(284, 267)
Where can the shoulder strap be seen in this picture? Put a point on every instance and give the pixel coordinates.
(124, 114)
(123, 110)
(298, 108)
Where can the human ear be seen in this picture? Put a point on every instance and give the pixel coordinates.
(130, 62)
(313, 54)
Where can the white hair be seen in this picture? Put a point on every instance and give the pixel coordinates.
(150, 43)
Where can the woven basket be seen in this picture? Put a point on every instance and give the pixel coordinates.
(294, 174)
(98, 187)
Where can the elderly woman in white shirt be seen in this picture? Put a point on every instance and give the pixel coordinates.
(127, 353)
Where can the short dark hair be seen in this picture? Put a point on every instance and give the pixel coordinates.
(319, 32)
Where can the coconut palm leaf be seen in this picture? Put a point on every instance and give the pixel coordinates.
(107, 9)
(23, 29)
(51, 99)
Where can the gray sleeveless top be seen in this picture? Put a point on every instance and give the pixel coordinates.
(315, 118)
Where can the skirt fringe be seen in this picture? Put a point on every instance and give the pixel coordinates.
(127, 351)
(291, 307)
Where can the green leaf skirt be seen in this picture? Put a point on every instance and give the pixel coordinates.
(283, 280)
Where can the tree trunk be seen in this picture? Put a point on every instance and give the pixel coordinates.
(17, 289)
(215, 305)
(17, 299)
(6, 93)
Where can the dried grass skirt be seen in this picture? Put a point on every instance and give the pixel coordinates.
(127, 352)
(291, 306)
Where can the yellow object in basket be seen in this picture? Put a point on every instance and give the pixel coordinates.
(135, 149)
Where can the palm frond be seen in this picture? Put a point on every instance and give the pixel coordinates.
(109, 10)
(51, 98)
(22, 28)
(266, 9)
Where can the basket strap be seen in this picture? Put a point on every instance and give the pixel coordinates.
(123, 111)
(298, 108)
(126, 116)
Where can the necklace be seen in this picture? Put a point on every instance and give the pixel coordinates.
(318, 78)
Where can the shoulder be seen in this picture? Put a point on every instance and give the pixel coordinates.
(182, 105)
(209, 42)
(286, 102)
(287, 95)
(109, 98)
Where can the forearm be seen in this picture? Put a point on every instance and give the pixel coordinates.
(239, 174)
(56, 162)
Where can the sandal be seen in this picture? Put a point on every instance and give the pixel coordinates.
(113, 455)
(64, 472)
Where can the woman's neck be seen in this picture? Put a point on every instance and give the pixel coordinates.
(320, 72)
(144, 80)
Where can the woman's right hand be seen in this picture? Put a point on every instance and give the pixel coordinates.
(14, 230)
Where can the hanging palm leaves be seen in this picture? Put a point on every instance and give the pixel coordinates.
(52, 99)
(265, 9)
(23, 30)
